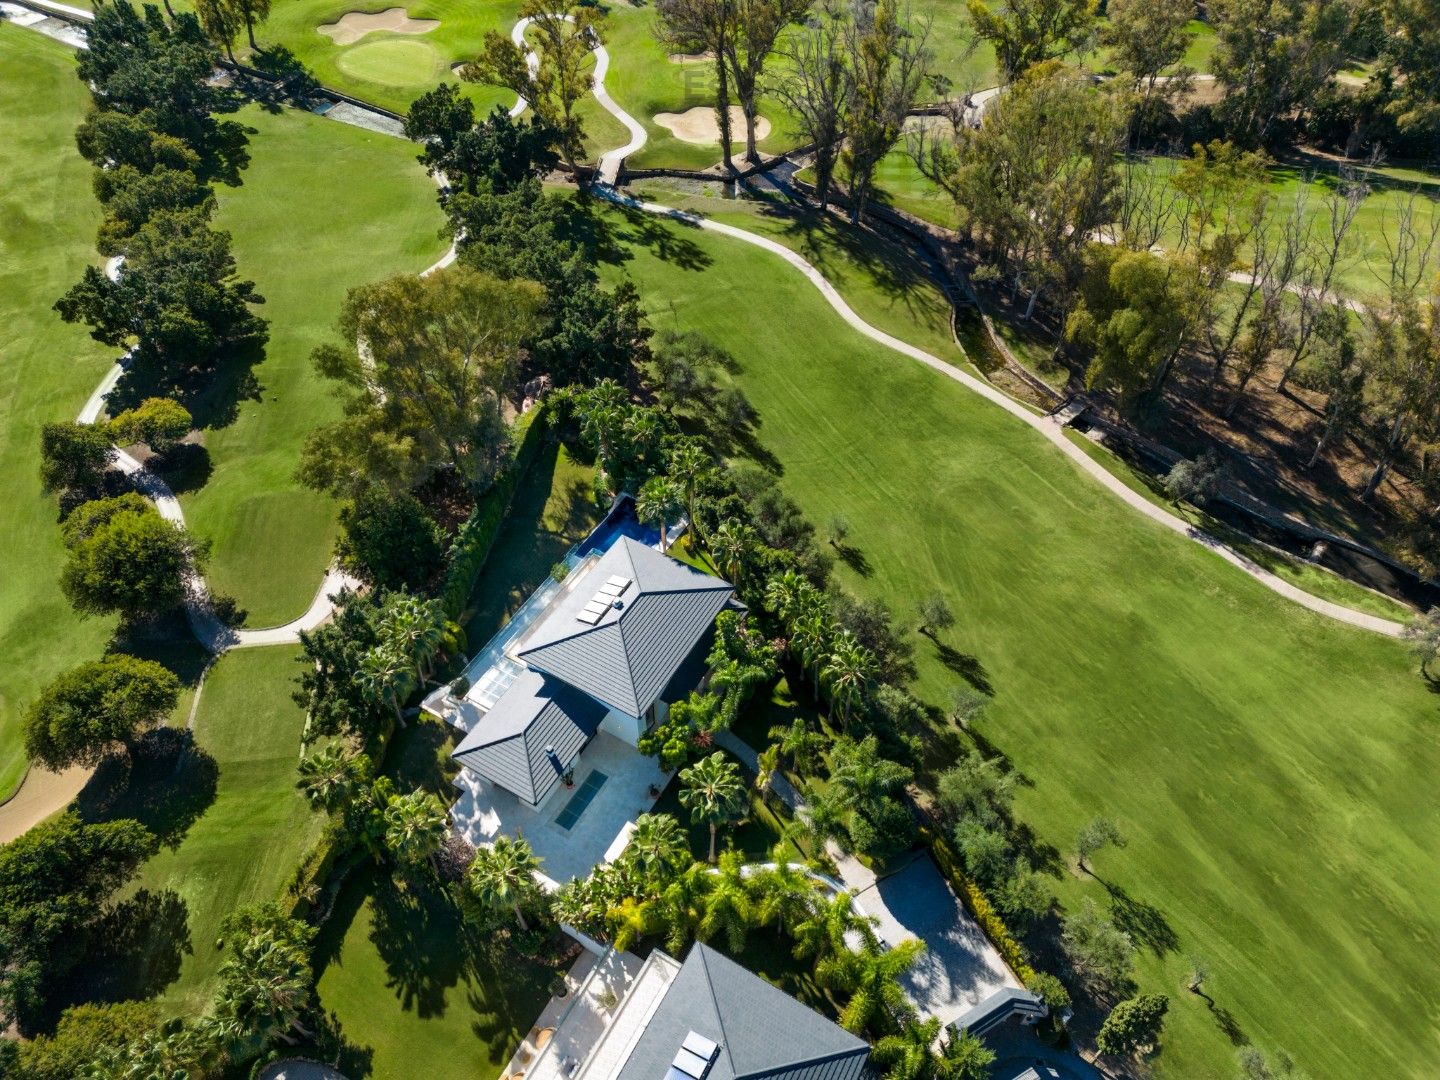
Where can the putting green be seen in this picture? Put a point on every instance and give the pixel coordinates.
(394, 62)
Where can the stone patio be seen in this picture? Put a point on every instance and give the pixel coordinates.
(485, 811)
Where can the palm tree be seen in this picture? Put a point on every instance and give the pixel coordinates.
(810, 638)
(965, 1057)
(503, 875)
(785, 595)
(823, 931)
(658, 504)
(264, 990)
(415, 826)
(416, 628)
(826, 818)
(688, 463)
(728, 908)
(332, 777)
(767, 764)
(785, 892)
(730, 544)
(848, 672)
(713, 792)
(872, 979)
(658, 846)
(602, 411)
(798, 744)
(631, 920)
(682, 905)
(908, 1054)
(385, 678)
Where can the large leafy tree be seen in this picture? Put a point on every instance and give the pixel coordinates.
(713, 792)
(1273, 56)
(132, 197)
(136, 564)
(54, 883)
(389, 540)
(496, 154)
(1132, 1025)
(74, 458)
(1029, 32)
(179, 299)
(564, 35)
(1411, 45)
(815, 85)
(83, 1033)
(80, 716)
(428, 364)
(757, 26)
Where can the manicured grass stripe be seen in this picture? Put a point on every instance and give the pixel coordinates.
(322, 208)
(47, 236)
(1272, 769)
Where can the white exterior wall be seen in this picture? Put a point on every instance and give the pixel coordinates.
(623, 726)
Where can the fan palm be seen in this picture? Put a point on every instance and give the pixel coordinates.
(264, 990)
(414, 827)
(385, 678)
(730, 545)
(658, 504)
(416, 628)
(658, 847)
(331, 778)
(785, 594)
(728, 908)
(810, 638)
(503, 875)
(872, 979)
(713, 792)
(848, 672)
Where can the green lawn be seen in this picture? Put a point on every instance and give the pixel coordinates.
(48, 218)
(1273, 770)
(323, 207)
(232, 825)
(553, 510)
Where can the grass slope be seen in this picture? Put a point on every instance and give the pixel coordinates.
(377, 216)
(1271, 768)
(47, 236)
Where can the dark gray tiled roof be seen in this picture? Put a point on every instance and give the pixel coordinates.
(508, 744)
(630, 654)
(1000, 1006)
(762, 1031)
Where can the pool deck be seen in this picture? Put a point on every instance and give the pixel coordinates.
(484, 811)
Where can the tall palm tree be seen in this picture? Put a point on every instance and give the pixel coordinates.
(658, 847)
(332, 777)
(908, 1054)
(713, 792)
(848, 672)
(730, 545)
(264, 991)
(797, 744)
(965, 1057)
(659, 503)
(415, 826)
(810, 638)
(631, 920)
(785, 595)
(416, 628)
(503, 875)
(872, 979)
(601, 411)
(823, 931)
(687, 464)
(682, 905)
(385, 677)
(728, 908)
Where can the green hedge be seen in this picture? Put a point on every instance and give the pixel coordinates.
(476, 535)
(978, 905)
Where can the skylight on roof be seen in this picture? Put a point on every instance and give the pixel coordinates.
(695, 1057)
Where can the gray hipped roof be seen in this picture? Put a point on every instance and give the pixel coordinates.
(762, 1031)
(508, 745)
(629, 655)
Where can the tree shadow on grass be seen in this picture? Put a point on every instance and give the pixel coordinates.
(1144, 922)
(166, 784)
(664, 237)
(417, 937)
(853, 557)
(186, 467)
(134, 951)
(966, 666)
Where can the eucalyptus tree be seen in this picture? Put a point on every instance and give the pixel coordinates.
(705, 28)
(814, 83)
(1029, 32)
(757, 27)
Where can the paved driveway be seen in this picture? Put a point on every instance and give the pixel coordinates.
(959, 967)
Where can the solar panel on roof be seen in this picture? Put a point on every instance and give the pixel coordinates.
(618, 580)
(701, 1046)
(589, 617)
(597, 605)
(692, 1065)
(611, 590)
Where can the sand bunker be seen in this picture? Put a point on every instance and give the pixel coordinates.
(699, 125)
(354, 25)
(691, 57)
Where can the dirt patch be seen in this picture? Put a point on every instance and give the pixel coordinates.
(691, 57)
(354, 25)
(700, 125)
